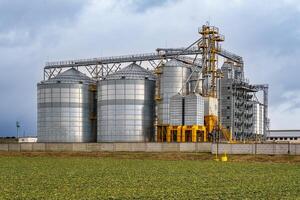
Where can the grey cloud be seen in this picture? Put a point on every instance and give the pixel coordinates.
(142, 6)
(25, 33)
(21, 21)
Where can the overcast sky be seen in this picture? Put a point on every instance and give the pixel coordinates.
(265, 33)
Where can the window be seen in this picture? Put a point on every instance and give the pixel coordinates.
(228, 97)
(228, 107)
(228, 127)
(228, 88)
(281, 138)
(227, 117)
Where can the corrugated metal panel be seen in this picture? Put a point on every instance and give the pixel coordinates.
(126, 106)
(64, 105)
(194, 110)
(258, 119)
(176, 110)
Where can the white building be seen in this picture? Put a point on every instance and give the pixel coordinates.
(27, 139)
(258, 118)
(292, 136)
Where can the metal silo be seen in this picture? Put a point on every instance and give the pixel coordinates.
(194, 110)
(66, 104)
(176, 110)
(172, 81)
(126, 106)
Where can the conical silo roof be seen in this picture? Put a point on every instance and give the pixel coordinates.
(132, 71)
(175, 63)
(70, 76)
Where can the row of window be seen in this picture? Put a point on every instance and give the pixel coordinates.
(283, 138)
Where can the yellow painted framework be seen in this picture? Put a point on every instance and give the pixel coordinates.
(210, 46)
(198, 133)
(211, 121)
(195, 129)
(161, 133)
(171, 131)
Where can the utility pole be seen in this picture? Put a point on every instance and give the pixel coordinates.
(18, 126)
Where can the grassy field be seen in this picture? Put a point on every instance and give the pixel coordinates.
(147, 176)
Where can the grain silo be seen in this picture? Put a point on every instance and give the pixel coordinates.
(172, 81)
(177, 110)
(194, 110)
(66, 105)
(126, 106)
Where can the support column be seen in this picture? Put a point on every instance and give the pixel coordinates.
(168, 134)
(194, 133)
(179, 134)
(183, 134)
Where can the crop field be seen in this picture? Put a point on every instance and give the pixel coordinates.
(149, 176)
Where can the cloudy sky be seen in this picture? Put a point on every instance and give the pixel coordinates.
(265, 33)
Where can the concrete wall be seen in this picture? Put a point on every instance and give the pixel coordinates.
(272, 149)
(108, 147)
(267, 149)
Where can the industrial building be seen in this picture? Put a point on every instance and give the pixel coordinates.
(172, 95)
(292, 136)
(240, 112)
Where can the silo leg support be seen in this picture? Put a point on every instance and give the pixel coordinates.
(183, 134)
(194, 134)
(168, 134)
(179, 134)
(204, 134)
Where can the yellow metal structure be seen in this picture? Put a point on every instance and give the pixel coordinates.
(179, 134)
(183, 134)
(168, 134)
(161, 133)
(224, 158)
(210, 47)
(226, 134)
(194, 133)
(158, 72)
(210, 122)
(209, 44)
(174, 134)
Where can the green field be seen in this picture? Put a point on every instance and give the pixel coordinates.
(113, 177)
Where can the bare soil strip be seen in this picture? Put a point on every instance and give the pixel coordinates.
(161, 156)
